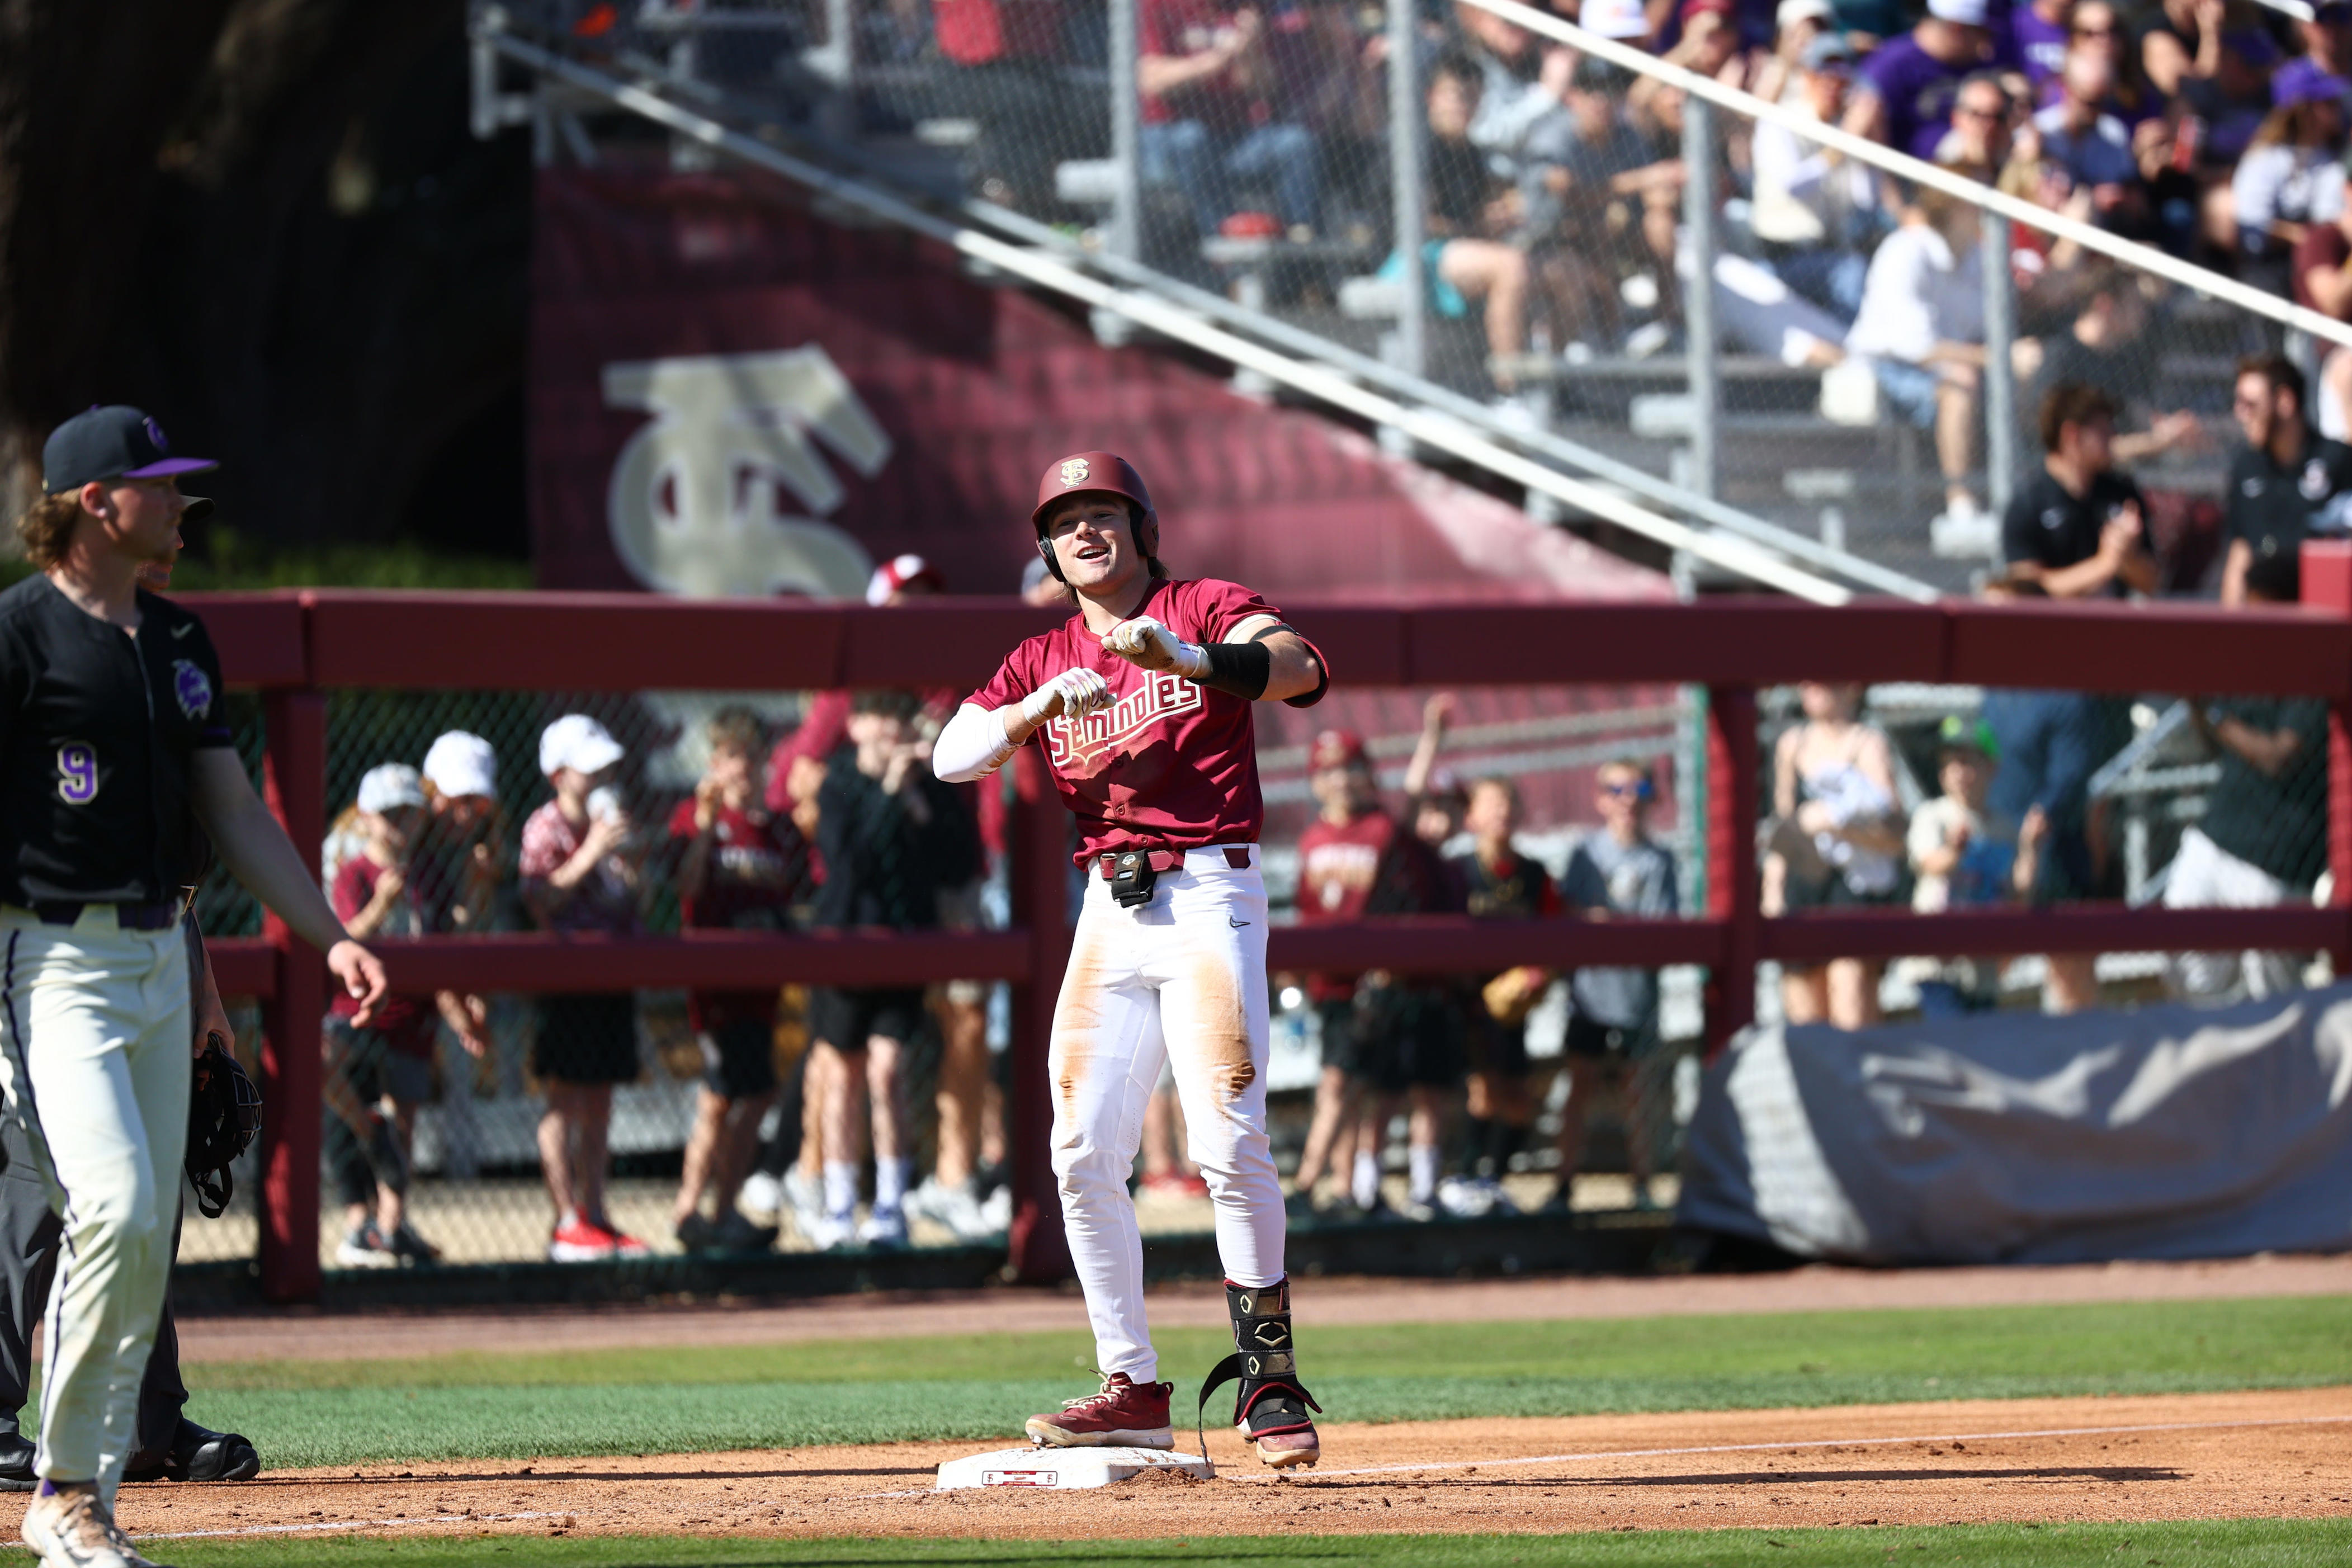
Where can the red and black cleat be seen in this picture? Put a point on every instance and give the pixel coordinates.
(1124, 1415)
(1271, 1410)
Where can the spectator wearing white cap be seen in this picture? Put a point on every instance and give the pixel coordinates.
(461, 864)
(580, 873)
(462, 867)
(1904, 91)
(1795, 24)
(378, 1074)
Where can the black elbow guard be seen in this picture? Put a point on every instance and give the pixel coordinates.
(1241, 669)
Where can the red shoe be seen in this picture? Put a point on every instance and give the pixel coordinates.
(1125, 1414)
(580, 1242)
(626, 1244)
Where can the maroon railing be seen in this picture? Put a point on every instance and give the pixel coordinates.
(296, 646)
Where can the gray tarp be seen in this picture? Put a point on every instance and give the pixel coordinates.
(2170, 1131)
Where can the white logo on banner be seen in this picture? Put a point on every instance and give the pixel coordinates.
(698, 498)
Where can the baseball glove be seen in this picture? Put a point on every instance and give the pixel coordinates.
(223, 1116)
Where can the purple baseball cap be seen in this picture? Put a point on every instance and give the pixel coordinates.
(113, 442)
(2301, 82)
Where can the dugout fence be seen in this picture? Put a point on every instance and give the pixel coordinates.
(318, 672)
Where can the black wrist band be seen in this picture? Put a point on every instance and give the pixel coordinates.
(1241, 669)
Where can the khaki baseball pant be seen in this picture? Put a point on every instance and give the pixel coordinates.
(97, 1061)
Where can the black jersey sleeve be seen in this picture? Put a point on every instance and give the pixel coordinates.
(196, 646)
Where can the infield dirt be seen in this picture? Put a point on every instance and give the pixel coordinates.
(2282, 1453)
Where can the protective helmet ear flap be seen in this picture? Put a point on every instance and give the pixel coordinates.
(1045, 549)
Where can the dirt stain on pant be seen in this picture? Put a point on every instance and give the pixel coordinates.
(1078, 1022)
(1222, 1023)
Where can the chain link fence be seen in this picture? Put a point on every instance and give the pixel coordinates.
(1949, 798)
(431, 1152)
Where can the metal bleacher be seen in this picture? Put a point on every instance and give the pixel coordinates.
(1765, 479)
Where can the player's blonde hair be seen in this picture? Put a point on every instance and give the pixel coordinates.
(46, 527)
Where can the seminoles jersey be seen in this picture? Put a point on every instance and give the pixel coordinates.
(1339, 866)
(1169, 763)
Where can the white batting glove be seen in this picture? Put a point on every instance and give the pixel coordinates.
(1146, 642)
(1075, 694)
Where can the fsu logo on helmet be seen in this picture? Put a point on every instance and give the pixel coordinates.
(1073, 472)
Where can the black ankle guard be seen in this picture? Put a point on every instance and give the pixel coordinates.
(1271, 1400)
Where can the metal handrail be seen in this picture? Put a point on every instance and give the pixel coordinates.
(1441, 431)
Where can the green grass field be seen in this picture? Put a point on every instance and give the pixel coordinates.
(2238, 1543)
(677, 1399)
(682, 1399)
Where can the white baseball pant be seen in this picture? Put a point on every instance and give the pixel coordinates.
(97, 1063)
(1182, 979)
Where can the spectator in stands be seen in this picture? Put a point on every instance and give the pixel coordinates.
(2112, 346)
(1592, 177)
(2291, 175)
(2288, 481)
(1613, 1025)
(2323, 282)
(2090, 146)
(2222, 112)
(1816, 211)
(2324, 70)
(2264, 837)
(1211, 119)
(581, 859)
(1963, 855)
(2096, 27)
(379, 1073)
(741, 868)
(1523, 82)
(1500, 883)
(2079, 528)
(2180, 43)
(1921, 327)
(1002, 64)
(1472, 251)
(1905, 91)
(2038, 31)
(1979, 137)
(891, 836)
(1795, 24)
(1835, 841)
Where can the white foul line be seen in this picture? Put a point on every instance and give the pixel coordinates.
(1834, 1443)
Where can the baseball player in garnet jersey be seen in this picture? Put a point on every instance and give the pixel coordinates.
(1143, 701)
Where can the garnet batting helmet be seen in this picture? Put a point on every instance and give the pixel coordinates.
(1100, 473)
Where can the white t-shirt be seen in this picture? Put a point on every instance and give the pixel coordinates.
(1916, 295)
(1801, 197)
(2279, 184)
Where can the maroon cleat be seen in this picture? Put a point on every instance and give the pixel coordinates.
(1124, 1415)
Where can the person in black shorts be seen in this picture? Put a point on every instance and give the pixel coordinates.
(1501, 884)
(580, 873)
(741, 869)
(1612, 1028)
(891, 836)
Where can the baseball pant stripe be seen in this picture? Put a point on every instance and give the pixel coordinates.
(1179, 981)
(104, 1043)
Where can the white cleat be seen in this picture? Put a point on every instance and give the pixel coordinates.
(72, 1528)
